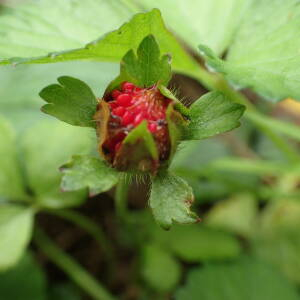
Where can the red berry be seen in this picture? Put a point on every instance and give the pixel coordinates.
(119, 111)
(115, 94)
(127, 118)
(152, 127)
(138, 119)
(127, 86)
(124, 100)
(113, 104)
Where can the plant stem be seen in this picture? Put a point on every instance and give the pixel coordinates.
(80, 276)
(90, 227)
(121, 198)
(262, 122)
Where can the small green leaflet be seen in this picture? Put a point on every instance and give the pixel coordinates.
(213, 114)
(145, 68)
(88, 172)
(72, 101)
(170, 200)
(265, 52)
(15, 230)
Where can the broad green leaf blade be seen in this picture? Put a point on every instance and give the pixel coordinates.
(15, 230)
(197, 243)
(26, 281)
(147, 67)
(37, 28)
(11, 185)
(212, 22)
(45, 147)
(265, 52)
(213, 114)
(113, 46)
(237, 214)
(246, 279)
(88, 172)
(72, 101)
(159, 268)
(170, 200)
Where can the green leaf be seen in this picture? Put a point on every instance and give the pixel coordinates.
(11, 185)
(31, 29)
(211, 22)
(237, 214)
(159, 268)
(170, 200)
(112, 47)
(195, 243)
(213, 114)
(72, 101)
(147, 67)
(88, 172)
(15, 230)
(45, 147)
(16, 284)
(264, 55)
(245, 279)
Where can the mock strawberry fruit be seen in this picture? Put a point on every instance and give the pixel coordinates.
(118, 117)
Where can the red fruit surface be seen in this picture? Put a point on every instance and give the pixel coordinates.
(129, 106)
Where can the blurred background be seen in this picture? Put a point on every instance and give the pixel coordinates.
(248, 243)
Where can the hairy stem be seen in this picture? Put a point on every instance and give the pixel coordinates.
(80, 276)
(121, 198)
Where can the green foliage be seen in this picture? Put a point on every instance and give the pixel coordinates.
(11, 185)
(88, 172)
(245, 278)
(72, 102)
(42, 153)
(159, 268)
(111, 47)
(213, 114)
(170, 200)
(195, 243)
(211, 22)
(264, 55)
(26, 281)
(147, 67)
(15, 231)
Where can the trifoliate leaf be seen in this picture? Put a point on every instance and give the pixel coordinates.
(245, 279)
(71, 101)
(213, 114)
(28, 287)
(85, 171)
(73, 20)
(212, 22)
(265, 52)
(170, 200)
(146, 67)
(11, 185)
(15, 231)
(159, 268)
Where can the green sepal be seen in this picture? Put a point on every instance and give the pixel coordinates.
(85, 171)
(212, 114)
(144, 68)
(71, 101)
(138, 151)
(170, 200)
